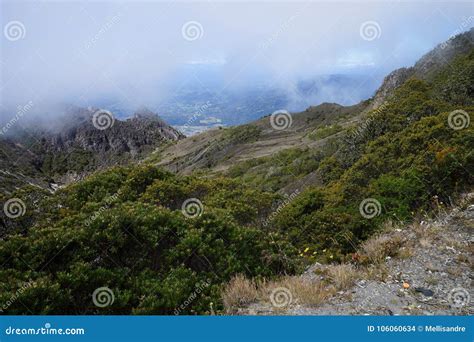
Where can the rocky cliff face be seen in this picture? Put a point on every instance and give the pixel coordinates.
(73, 145)
(144, 131)
(390, 83)
(441, 55)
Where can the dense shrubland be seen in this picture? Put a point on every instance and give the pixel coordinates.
(405, 155)
(140, 244)
(124, 228)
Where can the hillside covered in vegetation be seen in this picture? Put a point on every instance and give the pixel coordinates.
(166, 242)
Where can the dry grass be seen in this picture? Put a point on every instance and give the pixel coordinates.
(239, 292)
(376, 272)
(452, 242)
(454, 271)
(343, 276)
(378, 248)
(426, 233)
(405, 252)
(302, 290)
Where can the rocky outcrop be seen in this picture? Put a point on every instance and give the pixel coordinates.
(145, 130)
(72, 144)
(426, 66)
(391, 82)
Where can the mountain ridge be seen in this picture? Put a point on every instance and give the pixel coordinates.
(75, 145)
(442, 54)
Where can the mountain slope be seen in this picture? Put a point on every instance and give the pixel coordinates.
(219, 149)
(256, 148)
(73, 146)
(153, 239)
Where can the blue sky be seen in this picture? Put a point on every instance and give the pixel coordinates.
(141, 51)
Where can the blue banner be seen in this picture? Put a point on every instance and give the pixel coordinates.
(237, 328)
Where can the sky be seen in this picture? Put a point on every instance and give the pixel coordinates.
(142, 51)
